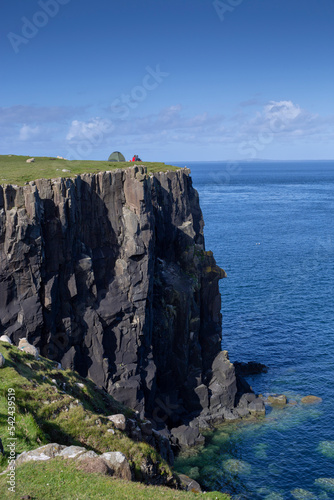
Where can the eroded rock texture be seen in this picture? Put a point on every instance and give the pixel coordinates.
(108, 274)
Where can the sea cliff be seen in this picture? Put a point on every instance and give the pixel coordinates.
(108, 274)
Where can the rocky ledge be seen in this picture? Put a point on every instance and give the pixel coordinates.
(112, 463)
(108, 274)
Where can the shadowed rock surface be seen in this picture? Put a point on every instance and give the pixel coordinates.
(108, 274)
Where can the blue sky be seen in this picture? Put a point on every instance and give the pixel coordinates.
(170, 80)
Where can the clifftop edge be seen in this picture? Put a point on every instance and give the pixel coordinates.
(18, 170)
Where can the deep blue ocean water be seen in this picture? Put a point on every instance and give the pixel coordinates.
(271, 227)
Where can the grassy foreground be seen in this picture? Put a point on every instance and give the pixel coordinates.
(53, 405)
(15, 170)
(62, 480)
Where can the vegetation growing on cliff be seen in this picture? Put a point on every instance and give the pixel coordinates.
(55, 405)
(60, 406)
(15, 170)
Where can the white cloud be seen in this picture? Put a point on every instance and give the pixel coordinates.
(283, 110)
(170, 112)
(286, 120)
(271, 125)
(89, 130)
(27, 132)
(170, 120)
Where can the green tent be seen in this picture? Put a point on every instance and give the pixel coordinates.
(116, 156)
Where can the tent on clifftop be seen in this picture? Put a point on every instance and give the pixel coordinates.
(116, 156)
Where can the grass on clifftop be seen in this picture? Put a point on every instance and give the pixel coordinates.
(15, 170)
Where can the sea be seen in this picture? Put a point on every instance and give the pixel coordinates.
(270, 225)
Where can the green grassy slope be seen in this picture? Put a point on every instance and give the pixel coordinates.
(15, 170)
(52, 407)
(62, 480)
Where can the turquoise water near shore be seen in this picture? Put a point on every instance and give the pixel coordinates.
(271, 227)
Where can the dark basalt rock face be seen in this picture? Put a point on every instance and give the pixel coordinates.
(107, 273)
